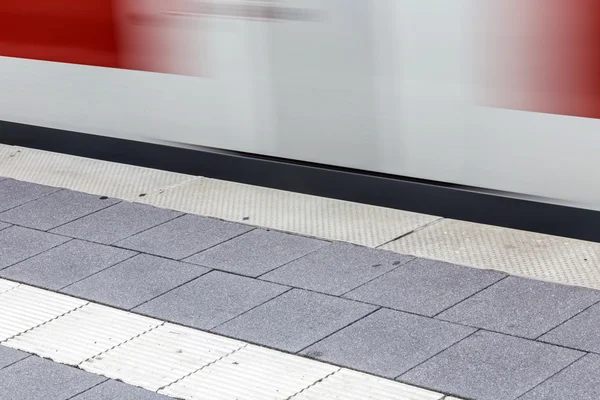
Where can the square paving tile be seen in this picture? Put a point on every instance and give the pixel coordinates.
(135, 281)
(36, 378)
(295, 320)
(388, 343)
(257, 252)
(14, 193)
(491, 366)
(578, 381)
(3, 225)
(425, 287)
(117, 222)
(211, 300)
(522, 307)
(115, 390)
(580, 332)
(17, 244)
(10, 356)
(183, 236)
(66, 264)
(56, 209)
(337, 268)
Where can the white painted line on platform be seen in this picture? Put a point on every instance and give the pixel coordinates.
(172, 359)
(82, 334)
(351, 385)
(5, 285)
(251, 373)
(161, 356)
(516, 252)
(26, 307)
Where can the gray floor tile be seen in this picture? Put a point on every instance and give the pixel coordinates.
(211, 300)
(337, 268)
(66, 264)
(491, 366)
(56, 209)
(425, 287)
(10, 356)
(36, 378)
(135, 281)
(388, 343)
(14, 193)
(3, 225)
(580, 332)
(257, 252)
(17, 244)
(183, 236)
(116, 223)
(522, 307)
(577, 382)
(114, 390)
(295, 320)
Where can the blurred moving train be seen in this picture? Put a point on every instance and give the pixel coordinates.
(502, 95)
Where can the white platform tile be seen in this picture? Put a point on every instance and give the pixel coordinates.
(533, 255)
(161, 356)
(86, 175)
(292, 212)
(25, 307)
(5, 285)
(251, 373)
(82, 334)
(351, 385)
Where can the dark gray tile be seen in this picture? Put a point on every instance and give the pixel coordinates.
(183, 236)
(581, 332)
(36, 378)
(425, 286)
(66, 264)
(337, 268)
(116, 223)
(295, 320)
(114, 390)
(56, 209)
(17, 244)
(10, 356)
(14, 193)
(522, 307)
(257, 252)
(135, 281)
(579, 381)
(492, 366)
(211, 300)
(388, 343)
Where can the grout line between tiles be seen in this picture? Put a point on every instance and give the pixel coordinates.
(88, 389)
(417, 229)
(314, 383)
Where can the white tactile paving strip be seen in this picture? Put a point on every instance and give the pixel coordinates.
(175, 360)
(5, 285)
(528, 254)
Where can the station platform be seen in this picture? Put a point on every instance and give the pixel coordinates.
(120, 282)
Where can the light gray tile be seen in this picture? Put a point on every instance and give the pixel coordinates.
(295, 320)
(211, 300)
(425, 286)
(135, 281)
(37, 378)
(387, 343)
(114, 390)
(337, 268)
(10, 356)
(56, 209)
(522, 307)
(66, 264)
(580, 332)
(256, 252)
(491, 366)
(3, 225)
(117, 222)
(17, 244)
(183, 236)
(14, 193)
(578, 381)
